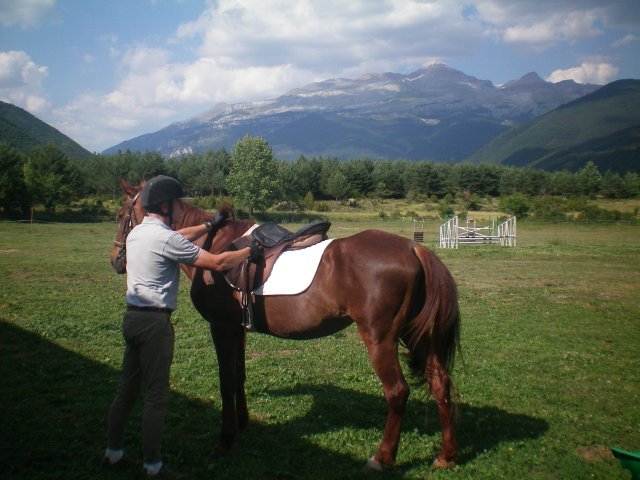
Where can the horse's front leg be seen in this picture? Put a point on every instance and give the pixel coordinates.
(242, 412)
(228, 339)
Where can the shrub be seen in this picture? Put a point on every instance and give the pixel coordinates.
(516, 204)
(445, 209)
(549, 208)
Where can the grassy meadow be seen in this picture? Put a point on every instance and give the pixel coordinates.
(548, 379)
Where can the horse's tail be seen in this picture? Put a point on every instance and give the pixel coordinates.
(436, 328)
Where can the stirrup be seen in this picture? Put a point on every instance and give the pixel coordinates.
(247, 313)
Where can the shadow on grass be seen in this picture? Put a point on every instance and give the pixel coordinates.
(54, 404)
(478, 429)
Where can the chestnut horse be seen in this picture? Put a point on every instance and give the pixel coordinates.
(393, 289)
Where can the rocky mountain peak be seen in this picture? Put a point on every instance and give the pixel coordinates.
(435, 112)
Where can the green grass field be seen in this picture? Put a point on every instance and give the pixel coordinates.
(549, 378)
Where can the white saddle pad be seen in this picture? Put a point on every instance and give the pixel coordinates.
(293, 271)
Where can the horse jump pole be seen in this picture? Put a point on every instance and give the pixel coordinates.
(452, 234)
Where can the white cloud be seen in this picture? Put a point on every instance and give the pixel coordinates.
(252, 50)
(21, 81)
(25, 13)
(343, 37)
(624, 41)
(594, 73)
(148, 99)
(141, 59)
(521, 24)
(244, 50)
(507, 12)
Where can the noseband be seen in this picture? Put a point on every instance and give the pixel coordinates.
(129, 221)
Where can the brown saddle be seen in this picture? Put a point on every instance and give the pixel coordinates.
(274, 240)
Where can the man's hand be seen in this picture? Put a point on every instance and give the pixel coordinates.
(217, 222)
(256, 251)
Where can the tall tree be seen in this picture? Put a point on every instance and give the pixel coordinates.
(253, 179)
(388, 179)
(358, 173)
(338, 185)
(589, 179)
(50, 177)
(424, 178)
(308, 176)
(101, 174)
(14, 199)
(632, 184)
(563, 183)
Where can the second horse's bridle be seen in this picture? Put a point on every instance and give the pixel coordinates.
(129, 222)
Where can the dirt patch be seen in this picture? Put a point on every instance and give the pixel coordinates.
(595, 453)
(287, 353)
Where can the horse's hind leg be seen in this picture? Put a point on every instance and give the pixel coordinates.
(440, 383)
(384, 359)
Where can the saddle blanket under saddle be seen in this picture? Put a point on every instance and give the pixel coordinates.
(293, 271)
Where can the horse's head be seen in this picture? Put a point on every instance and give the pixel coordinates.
(130, 215)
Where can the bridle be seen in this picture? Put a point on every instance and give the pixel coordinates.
(129, 222)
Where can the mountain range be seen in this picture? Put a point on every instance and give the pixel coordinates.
(435, 113)
(21, 130)
(602, 127)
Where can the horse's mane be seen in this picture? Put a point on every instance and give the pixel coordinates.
(226, 209)
(194, 216)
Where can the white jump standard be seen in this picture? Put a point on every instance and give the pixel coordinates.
(452, 234)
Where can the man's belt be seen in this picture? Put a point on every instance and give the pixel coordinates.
(133, 308)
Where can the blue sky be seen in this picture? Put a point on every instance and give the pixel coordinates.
(106, 71)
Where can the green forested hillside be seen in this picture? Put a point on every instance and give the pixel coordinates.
(21, 130)
(602, 127)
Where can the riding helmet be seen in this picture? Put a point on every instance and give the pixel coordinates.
(160, 189)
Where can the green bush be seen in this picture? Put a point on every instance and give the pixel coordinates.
(516, 204)
(549, 208)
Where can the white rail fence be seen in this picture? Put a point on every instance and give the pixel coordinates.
(452, 234)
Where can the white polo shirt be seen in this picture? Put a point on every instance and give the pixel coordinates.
(154, 252)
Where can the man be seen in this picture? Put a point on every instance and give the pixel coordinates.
(154, 252)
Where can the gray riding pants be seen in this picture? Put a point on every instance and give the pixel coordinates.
(149, 342)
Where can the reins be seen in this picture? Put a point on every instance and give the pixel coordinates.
(129, 222)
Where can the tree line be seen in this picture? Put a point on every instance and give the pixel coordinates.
(252, 176)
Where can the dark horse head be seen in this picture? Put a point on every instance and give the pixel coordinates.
(131, 214)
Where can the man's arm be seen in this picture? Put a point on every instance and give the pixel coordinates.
(222, 261)
(195, 232)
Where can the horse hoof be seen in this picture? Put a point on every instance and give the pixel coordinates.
(372, 465)
(442, 464)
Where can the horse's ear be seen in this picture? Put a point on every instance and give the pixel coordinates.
(128, 188)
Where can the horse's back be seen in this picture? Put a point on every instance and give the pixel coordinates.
(379, 247)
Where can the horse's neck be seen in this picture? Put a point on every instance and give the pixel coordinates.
(232, 231)
(190, 216)
(223, 238)
(242, 227)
